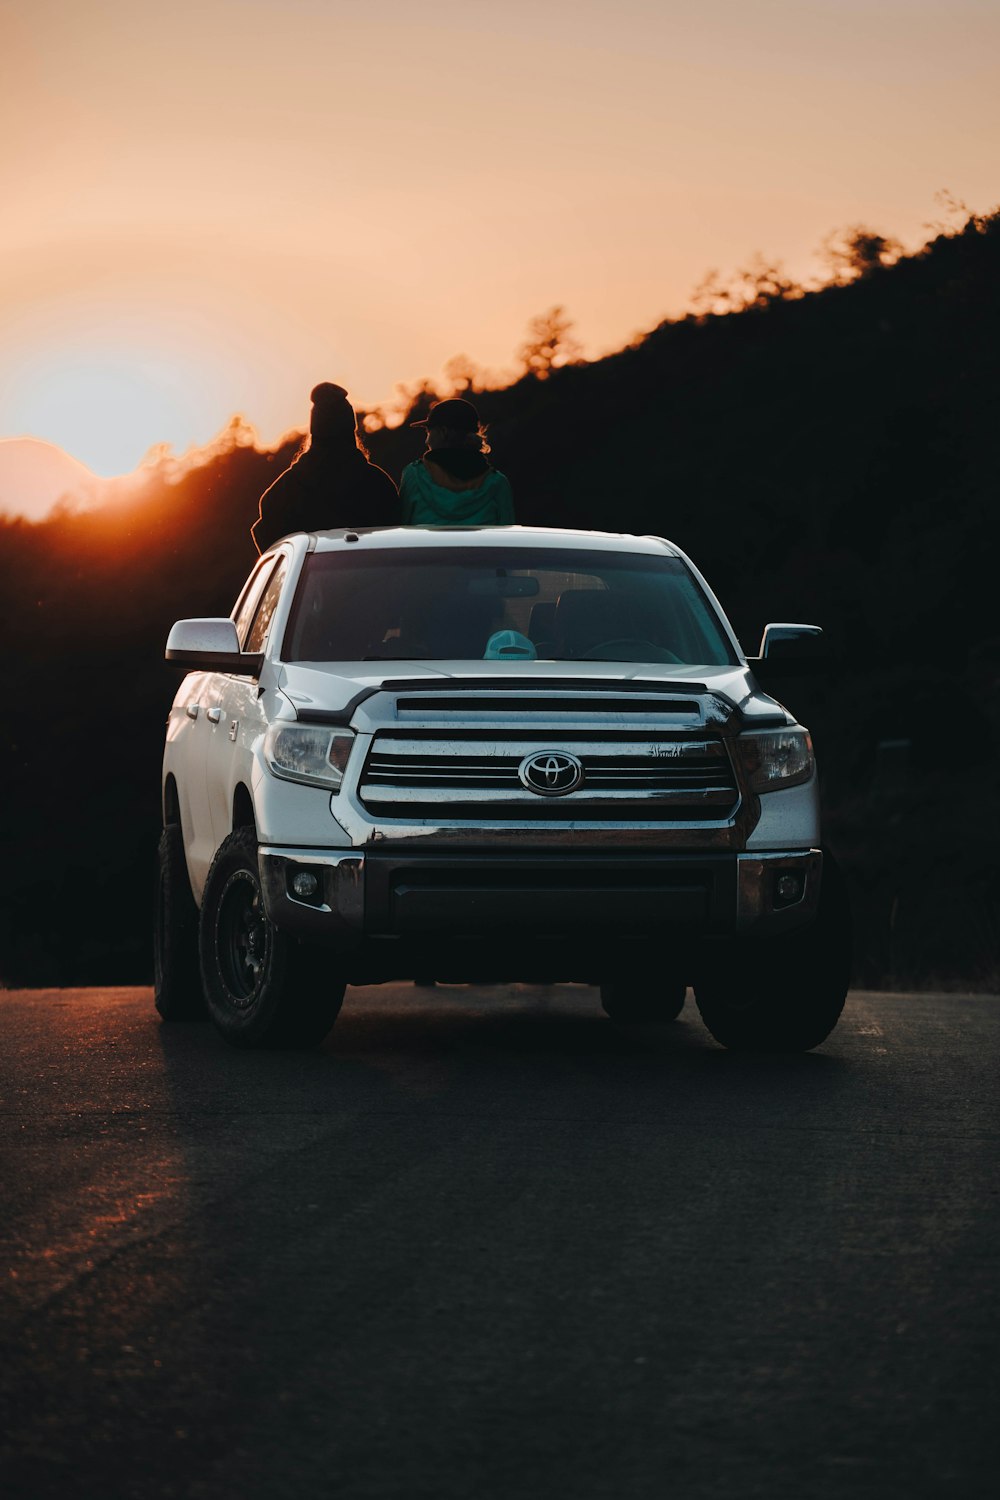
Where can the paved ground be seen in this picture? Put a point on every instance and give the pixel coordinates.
(485, 1244)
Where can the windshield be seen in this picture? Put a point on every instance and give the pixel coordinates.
(497, 604)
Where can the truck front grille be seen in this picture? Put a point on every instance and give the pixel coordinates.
(476, 778)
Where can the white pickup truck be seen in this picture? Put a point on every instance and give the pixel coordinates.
(487, 755)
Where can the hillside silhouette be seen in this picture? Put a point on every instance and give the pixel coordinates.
(34, 475)
(828, 457)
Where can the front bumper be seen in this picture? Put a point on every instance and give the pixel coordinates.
(556, 897)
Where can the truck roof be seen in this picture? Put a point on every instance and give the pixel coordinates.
(482, 536)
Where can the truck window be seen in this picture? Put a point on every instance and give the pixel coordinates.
(449, 604)
(265, 610)
(250, 598)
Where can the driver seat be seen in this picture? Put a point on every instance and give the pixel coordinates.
(585, 618)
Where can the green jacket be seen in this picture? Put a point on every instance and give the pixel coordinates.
(424, 503)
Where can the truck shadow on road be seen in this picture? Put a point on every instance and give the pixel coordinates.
(477, 1044)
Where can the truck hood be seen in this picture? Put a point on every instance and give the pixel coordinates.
(329, 688)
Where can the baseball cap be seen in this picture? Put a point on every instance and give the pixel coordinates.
(456, 414)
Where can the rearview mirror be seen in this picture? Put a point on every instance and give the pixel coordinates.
(504, 587)
(210, 646)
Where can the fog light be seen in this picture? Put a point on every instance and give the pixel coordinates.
(788, 888)
(305, 884)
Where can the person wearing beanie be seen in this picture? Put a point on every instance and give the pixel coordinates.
(331, 483)
(453, 484)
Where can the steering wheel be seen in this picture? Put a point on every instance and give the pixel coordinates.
(607, 651)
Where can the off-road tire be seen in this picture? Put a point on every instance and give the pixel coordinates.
(176, 975)
(264, 988)
(784, 993)
(643, 1000)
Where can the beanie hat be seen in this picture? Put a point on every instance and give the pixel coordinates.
(332, 414)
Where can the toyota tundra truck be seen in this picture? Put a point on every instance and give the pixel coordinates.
(484, 755)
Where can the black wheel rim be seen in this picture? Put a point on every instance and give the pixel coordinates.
(242, 940)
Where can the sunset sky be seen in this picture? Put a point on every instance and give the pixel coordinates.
(210, 205)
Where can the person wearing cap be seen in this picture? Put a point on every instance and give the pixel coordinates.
(331, 483)
(453, 484)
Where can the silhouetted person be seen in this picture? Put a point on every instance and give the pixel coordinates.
(453, 484)
(330, 484)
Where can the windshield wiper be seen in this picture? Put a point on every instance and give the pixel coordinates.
(392, 657)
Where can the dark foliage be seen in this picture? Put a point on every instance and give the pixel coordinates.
(829, 458)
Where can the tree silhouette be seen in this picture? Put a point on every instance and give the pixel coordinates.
(758, 284)
(549, 345)
(852, 253)
(463, 375)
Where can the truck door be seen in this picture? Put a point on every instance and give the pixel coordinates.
(233, 710)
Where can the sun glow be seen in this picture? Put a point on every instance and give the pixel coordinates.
(108, 407)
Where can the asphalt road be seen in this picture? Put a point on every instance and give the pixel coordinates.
(487, 1244)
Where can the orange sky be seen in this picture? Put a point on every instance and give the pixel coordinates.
(209, 206)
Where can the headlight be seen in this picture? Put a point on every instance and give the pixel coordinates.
(782, 757)
(308, 753)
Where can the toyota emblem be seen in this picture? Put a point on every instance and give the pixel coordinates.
(550, 773)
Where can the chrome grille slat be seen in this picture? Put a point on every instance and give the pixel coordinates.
(374, 795)
(623, 749)
(594, 776)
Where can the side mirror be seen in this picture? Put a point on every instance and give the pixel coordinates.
(210, 646)
(790, 651)
(791, 640)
